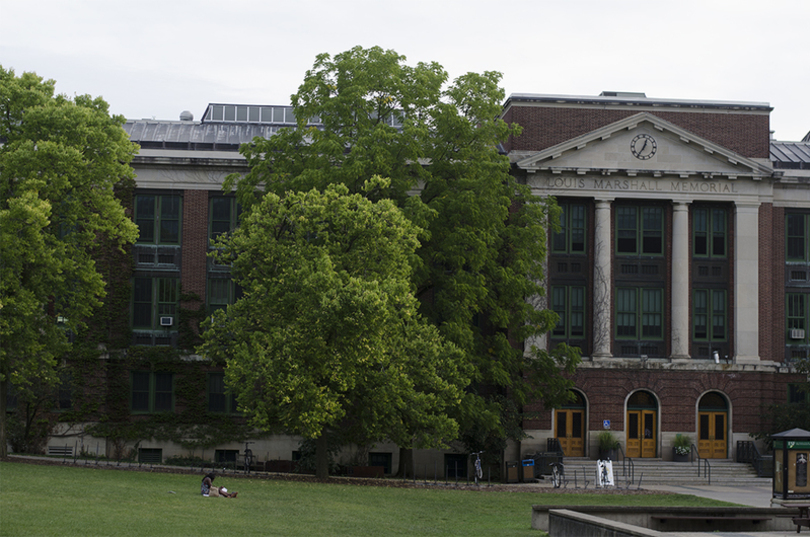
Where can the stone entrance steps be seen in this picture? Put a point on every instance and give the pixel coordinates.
(723, 472)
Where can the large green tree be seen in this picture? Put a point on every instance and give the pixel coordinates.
(482, 259)
(327, 335)
(60, 160)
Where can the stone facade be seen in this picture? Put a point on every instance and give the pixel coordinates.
(675, 291)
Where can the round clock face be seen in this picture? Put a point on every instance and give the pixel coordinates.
(643, 146)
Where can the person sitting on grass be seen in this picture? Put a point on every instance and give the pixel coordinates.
(208, 488)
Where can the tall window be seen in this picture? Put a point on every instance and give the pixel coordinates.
(639, 230)
(155, 302)
(223, 215)
(569, 304)
(709, 315)
(796, 318)
(219, 400)
(796, 228)
(639, 313)
(158, 219)
(221, 293)
(152, 392)
(709, 232)
(571, 237)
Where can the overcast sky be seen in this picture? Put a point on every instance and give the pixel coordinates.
(156, 58)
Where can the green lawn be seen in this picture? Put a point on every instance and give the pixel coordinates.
(63, 500)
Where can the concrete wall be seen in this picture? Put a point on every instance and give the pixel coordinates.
(591, 520)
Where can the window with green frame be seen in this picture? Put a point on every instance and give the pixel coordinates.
(798, 393)
(571, 237)
(709, 232)
(639, 313)
(639, 230)
(381, 459)
(796, 318)
(152, 299)
(709, 315)
(221, 293)
(796, 231)
(158, 218)
(152, 391)
(223, 212)
(569, 303)
(219, 400)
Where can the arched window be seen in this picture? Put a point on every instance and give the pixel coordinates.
(642, 399)
(713, 402)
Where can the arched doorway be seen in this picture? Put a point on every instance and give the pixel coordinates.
(570, 426)
(642, 425)
(713, 426)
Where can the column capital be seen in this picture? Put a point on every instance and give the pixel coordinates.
(747, 204)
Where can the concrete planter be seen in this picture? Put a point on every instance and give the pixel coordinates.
(608, 454)
(679, 458)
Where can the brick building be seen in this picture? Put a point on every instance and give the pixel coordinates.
(680, 268)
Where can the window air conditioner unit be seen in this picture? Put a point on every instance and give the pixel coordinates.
(166, 321)
(796, 333)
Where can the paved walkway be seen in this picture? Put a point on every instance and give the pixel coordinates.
(755, 496)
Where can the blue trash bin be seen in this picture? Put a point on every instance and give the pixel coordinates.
(528, 470)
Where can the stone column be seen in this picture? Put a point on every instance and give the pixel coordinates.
(746, 282)
(680, 281)
(602, 281)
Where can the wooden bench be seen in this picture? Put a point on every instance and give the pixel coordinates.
(804, 516)
(62, 451)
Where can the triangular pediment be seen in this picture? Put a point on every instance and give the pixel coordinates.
(644, 144)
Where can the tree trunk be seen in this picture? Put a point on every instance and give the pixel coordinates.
(405, 463)
(3, 398)
(322, 457)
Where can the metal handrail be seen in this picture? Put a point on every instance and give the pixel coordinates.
(692, 451)
(707, 472)
(748, 452)
(625, 461)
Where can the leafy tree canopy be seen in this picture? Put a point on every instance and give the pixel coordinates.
(59, 161)
(327, 334)
(482, 253)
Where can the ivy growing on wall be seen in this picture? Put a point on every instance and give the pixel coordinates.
(99, 363)
(190, 425)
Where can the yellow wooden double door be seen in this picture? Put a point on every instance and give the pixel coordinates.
(641, 433)
(571, 431)
(712, 437)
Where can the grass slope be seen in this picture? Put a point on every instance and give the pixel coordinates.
(64, 501)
